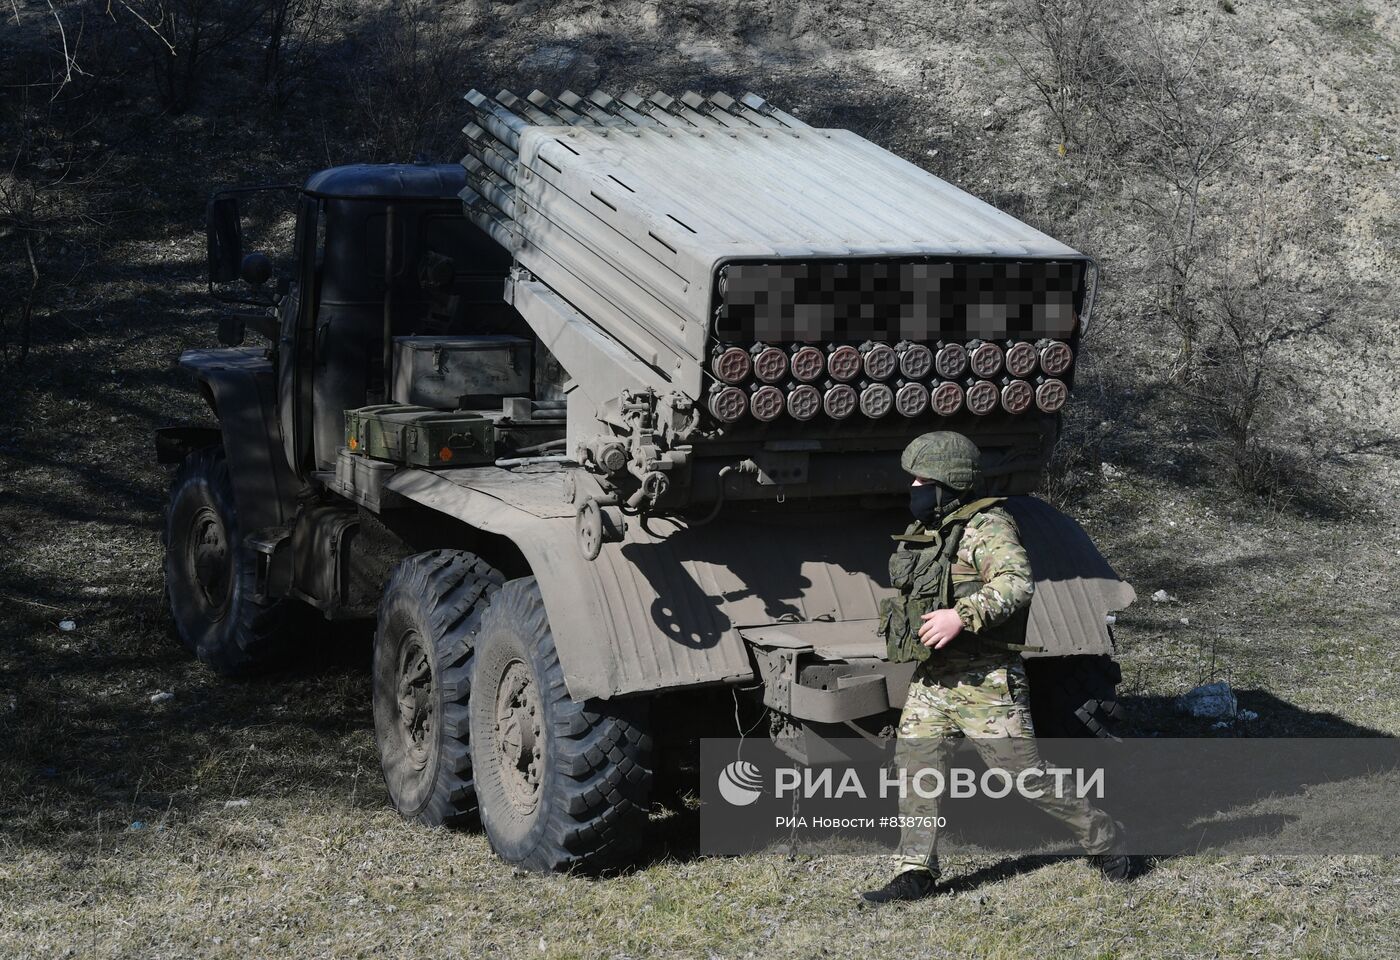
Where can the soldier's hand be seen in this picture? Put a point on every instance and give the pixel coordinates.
(939, 628)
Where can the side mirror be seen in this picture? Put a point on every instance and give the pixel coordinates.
(256, 269)
(225, 239)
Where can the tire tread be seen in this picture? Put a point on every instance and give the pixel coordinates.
(453, 587)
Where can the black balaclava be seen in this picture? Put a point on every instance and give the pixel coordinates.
(931, 501)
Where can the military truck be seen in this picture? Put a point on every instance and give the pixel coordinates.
(601, 427)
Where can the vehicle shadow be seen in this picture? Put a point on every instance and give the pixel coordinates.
(1222, 815)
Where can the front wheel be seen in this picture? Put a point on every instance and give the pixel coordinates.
(562, 784)
(211, 575)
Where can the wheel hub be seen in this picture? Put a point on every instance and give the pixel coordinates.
(208, 557)
(417, 706)
(519, 736)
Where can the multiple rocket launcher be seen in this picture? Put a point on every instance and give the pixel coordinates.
(877, 379)
(824, 276)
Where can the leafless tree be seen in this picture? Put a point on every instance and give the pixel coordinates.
(405, 79)
(1259, 303)
(180, 37)
(1070, 60)
(293, 29)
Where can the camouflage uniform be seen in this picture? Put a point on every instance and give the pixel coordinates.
(976, 687)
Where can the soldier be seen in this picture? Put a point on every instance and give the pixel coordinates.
(965, 589)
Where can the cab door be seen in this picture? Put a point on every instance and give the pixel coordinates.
(296, 349)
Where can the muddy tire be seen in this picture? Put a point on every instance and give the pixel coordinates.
(563, 785)
(428, 620)
(211, 575)
(1074, 696)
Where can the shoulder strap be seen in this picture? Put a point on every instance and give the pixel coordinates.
(917, 533)
(964, 514)
(952, 529)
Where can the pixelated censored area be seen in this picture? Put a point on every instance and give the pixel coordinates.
(898, 300)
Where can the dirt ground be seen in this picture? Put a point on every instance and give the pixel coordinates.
(249, 819)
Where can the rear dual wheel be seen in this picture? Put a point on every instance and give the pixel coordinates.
(562, 784)
(474, 721)
(1074, 696)
(428, 620)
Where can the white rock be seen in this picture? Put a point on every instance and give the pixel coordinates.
(230, 804)
(67, 626)
(1185, 621)
(1109, 619)
(162, 697)
(1161, 596)
(1212, 701)
(1248, 715)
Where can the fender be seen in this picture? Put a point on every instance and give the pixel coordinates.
(1075, 588)
(668, 611)
(241, 390)
(660, 612)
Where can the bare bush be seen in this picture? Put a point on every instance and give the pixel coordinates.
(293, 32)
(181, 37)
(1069, 472)
(404, 82)
(40, 215)
(18, 226)
(1169, 130)
(1183, 127)
(1145, 99)
(1070, 61)
(1259, 305)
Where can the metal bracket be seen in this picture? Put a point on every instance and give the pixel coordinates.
(850, 689)
(598, 523)
(781, 468)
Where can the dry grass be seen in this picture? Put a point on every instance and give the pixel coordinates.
(1283, 605)
(1293, 601)
(326, 877)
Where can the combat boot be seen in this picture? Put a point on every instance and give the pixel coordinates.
(909, 885)
(1118, 866)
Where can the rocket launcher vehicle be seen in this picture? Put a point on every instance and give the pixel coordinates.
(743, 301)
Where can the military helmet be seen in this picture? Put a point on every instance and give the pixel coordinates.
(947, 457)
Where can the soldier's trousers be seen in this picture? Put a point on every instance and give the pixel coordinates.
(988, 702)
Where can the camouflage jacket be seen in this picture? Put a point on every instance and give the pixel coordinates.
(986, 578)
(990, 554)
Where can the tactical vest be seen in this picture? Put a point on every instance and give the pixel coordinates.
(922, 570)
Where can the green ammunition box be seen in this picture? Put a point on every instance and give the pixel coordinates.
(420, 436)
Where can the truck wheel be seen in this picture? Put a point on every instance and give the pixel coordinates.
(1074, 696)
(211, 575)
(428, 619)
(563, 784)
